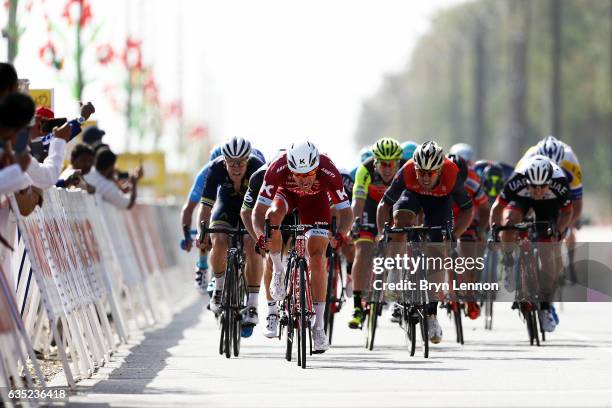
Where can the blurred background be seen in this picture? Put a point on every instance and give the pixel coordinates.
(171, 78)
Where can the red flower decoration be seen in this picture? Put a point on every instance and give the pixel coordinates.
(132, 55)
(105, 54)
(173, 110)
(48, 54)
(75, 8)
(198, 133)
(150, 89)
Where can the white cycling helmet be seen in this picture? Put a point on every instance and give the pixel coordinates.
(428, 156)
(302, 157)
(462, 150)
(551, 148)
(236, 148)
(539, 170)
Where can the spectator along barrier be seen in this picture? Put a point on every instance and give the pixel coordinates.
(82, 275)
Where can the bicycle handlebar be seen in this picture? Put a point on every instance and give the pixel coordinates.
(231, 232)
(298, 227)
(522, 226)
(416, 229)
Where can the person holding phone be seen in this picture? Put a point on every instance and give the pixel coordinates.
(42, 131)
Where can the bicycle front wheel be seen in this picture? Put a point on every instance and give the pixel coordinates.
(303, 312)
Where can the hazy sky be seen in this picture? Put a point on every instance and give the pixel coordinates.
(272, 71)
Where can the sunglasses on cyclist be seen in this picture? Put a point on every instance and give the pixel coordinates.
(387, 163)
(430, 173)
(534, 186)
(305, 175)
(236, 163)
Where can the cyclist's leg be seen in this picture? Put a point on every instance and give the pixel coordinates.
(551, 264)
(281, 205)
(364, 251)
(253, 272)
(202, 278)
(348, 251)
(469, 248)
(315, 208)
(218, 263)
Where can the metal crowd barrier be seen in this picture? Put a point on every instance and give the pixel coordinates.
(85, 274)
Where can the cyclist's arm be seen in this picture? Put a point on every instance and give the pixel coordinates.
(345, 221)
(464, 202)
(483, 216)
(360, 190)
(390, 197)
(497, 211)
(187, 213)
(258, 217)
(576, 211)
(565, 210)
(565, 216)
(382, 215)
(245, 216)
(358, 206)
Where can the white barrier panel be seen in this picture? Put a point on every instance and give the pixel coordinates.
(84, 260)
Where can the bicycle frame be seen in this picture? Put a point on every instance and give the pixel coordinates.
(234, 289)
(414, 305)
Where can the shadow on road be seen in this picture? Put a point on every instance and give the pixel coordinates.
(147, 359)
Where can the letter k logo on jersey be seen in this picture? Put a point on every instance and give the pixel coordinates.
(302, 161)
(342, 194)
(266, 188)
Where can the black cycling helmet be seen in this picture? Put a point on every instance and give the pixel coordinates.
(463, 168)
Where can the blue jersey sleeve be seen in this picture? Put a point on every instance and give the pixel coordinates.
(198, 185)
(257, 153)
(212, 180)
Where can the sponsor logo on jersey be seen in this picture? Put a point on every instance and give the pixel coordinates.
(327, 172)
(342, 194)
(559, 187)
(266, 188)
(517, 184)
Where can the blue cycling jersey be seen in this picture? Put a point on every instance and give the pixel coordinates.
(198, 184)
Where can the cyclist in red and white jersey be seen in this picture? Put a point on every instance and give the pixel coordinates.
(304, 179)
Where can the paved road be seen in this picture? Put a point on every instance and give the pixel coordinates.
(178, 365)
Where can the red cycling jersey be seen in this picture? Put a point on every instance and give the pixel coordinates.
(328, 181)
(406, 179)
(474, 191)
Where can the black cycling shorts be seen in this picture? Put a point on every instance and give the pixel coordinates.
(225, 213)
(438, 210)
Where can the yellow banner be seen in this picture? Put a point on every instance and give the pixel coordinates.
(178, 184)
(42, 97)
(154, 165)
